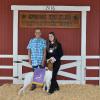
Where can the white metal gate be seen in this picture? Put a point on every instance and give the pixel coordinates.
(22, 62)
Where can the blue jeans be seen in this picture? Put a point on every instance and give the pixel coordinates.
(34, 67)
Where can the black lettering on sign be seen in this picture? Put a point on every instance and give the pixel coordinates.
(50, 8)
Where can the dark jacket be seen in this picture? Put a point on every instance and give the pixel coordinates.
(57, 52)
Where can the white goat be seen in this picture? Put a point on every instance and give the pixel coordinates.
(29, 78)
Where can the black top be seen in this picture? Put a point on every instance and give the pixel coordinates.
(54, 51)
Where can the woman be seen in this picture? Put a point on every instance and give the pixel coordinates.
(54, 52)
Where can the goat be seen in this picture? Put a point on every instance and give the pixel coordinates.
(47, 78)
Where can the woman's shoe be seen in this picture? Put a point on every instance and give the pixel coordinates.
(50, 92)
(57, 89)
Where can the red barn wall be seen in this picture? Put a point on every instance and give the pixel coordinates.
(70, 38)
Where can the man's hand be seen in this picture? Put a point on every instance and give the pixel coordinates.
(29, 54)
(30, 61)
(44, 57)
(42, 64)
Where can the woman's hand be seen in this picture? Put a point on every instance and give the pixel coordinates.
(52, 59)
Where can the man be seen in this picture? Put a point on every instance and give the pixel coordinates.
(37, 52)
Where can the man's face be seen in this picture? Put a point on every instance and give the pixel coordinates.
(37, 33)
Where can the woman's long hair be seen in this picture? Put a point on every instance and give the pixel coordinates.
(55, 41)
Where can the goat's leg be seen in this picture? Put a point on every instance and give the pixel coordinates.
(48, 83)
(27, 81)
(44, 85)
(48, 76)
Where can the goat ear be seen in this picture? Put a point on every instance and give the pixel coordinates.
(46, 67)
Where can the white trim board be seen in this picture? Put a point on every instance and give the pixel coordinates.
(50, 8)
(65, 57)
(6, 67)
(6, 78)
(6, 56)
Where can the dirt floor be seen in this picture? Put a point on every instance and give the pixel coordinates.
(67, 92)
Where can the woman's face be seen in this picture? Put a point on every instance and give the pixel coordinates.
(51, 37)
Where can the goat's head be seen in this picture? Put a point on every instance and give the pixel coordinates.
(50, 64)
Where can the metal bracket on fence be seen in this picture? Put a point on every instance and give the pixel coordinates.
(17, 61)
(18, 77)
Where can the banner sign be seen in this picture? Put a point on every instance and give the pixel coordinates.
(49, 20)
(39, 74)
